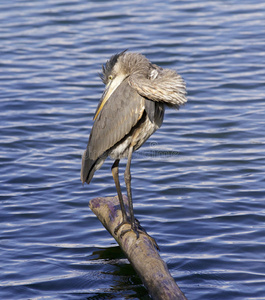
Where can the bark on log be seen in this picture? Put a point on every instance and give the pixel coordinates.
(141, 252)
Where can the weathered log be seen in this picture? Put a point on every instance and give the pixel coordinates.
(141, 252)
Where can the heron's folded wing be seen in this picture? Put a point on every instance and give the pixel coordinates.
(118, 116)
(164, 85)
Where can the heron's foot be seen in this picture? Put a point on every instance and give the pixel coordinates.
(134, 228)
(120, 225)
(125, 221)
(137, 229)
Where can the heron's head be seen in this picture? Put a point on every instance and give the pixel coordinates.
(119, 67)
(122, 65)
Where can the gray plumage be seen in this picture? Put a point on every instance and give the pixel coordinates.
(130, 110)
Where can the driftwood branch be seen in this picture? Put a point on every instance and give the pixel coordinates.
(141, 252)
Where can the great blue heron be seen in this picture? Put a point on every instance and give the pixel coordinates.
(131, 109)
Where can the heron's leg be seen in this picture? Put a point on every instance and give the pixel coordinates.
(135, 224)
(127, 179)
(115, 174)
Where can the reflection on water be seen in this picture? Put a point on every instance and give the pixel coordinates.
(113, 265)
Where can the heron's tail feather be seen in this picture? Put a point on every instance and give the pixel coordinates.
(163, 85)
(90, 166)
(86, 168)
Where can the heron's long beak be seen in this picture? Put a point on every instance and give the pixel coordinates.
(110, 88)
(103, 100)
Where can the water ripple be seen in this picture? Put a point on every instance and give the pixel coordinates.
(198, 183)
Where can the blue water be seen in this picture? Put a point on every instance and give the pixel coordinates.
(198, 183)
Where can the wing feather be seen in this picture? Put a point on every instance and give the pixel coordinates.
(120, 113)
(162, 85)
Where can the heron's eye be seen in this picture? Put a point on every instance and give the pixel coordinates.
(110, 77)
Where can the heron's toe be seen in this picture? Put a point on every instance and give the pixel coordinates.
(138, 229)
(120, 225)
(133, 229)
